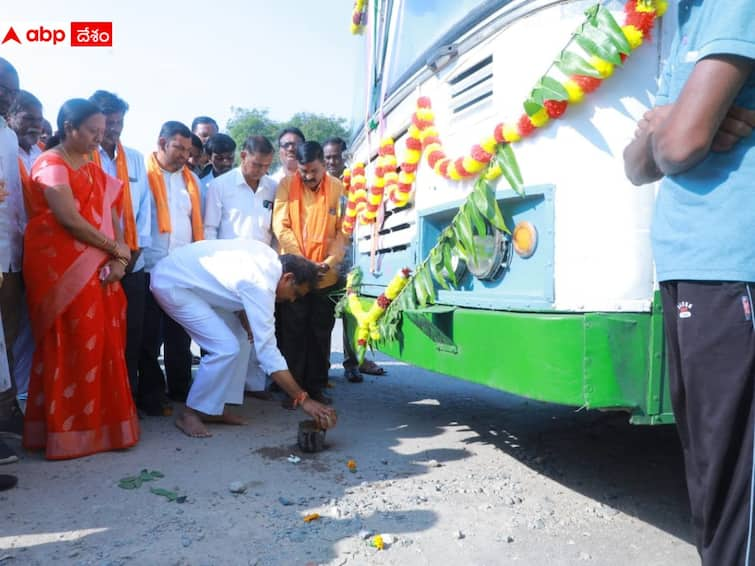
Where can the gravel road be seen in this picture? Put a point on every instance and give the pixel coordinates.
(447, 472)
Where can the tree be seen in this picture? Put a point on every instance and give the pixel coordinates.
(257, 122)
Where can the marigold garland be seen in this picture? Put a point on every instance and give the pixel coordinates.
(367, 330)
(423, 139)
(358, 17)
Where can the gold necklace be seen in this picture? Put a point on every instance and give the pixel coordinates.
(68, 158)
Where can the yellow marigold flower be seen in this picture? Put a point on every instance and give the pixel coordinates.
(453, 174)
(358, 180)
(386, 142)
(413, 156)
(362, 332)
(391, 177)
(374, 199)
(390, 162)
(634, 36)
(375, 336)
(433, 147)
(575, 92)
(540, 118)
(414, 132)
(379, 181)
(377, 542)
(429, 131)
(351, 212)
(646, 7)
(605, 68)
(511, 133)
(406, 178)
(402, 199)
(660, 7)
(472, 165)
(489, 144)
(355, 29)
(352, 465)
(494, 172)
(425, 114)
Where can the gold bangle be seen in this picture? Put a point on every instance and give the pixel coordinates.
(122, 260)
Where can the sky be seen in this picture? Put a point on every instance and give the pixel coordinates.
(177, 60)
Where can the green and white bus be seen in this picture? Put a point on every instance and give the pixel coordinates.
(562, 305)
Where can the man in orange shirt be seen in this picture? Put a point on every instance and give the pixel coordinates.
(307, 222)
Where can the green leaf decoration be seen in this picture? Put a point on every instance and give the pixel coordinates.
(448, 264)
(429, 285)
(436, 266)
(532, 107)
(476, 216)
(597, 43)
(465, 235)
(419, 290)
(507, 162)
(607, 23)
(572, 64)
(548, 88)
(484, 198)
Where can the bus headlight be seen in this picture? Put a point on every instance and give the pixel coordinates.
(524, 239)
(493, 255)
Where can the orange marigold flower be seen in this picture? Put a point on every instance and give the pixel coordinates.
(555, 108)
(587, 84)
(480, 154)
(525, 125)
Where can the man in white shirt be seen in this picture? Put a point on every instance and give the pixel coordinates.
(25, 118)
(224, 292)
(127, 165)
(175, 222)
(240, 205)
(12, 222)
(288, 140)
(222, 151)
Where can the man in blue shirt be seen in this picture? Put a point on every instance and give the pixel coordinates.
(698, 140)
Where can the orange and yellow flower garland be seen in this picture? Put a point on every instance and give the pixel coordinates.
(423, 139)
(367, 330)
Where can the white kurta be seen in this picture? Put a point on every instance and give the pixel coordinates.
(202, 286)
(234, 210)
(179, 207)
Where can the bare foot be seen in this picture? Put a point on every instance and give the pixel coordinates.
(191, 425)
(226, 418)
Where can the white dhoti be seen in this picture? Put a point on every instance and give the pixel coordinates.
(222, 371)
(256, 378)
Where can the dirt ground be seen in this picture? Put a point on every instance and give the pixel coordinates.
(447, 472)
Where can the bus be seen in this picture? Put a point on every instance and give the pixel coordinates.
(553, 297)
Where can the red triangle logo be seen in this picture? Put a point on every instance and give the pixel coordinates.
(11, 36)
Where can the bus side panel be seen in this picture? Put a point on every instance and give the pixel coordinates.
(571, 358)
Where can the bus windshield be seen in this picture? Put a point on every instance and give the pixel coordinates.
(420, 26)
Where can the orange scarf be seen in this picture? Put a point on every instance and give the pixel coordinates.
(121, 168)
(25, 185)
(157, 184)
(310, 234)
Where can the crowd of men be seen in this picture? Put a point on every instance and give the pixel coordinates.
(187, 205)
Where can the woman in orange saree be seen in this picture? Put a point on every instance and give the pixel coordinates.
(79, 399)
